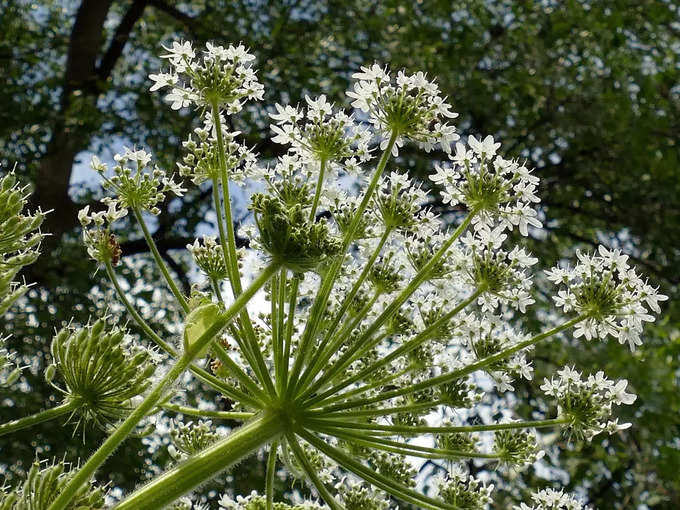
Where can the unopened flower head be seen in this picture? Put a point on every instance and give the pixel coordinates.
(517, 447)
(463, 491)
(223, 77)
(410, 108)
(83, 358)
(202, 163)
(501, 191)
(399, 202)
(190, 438)
(614, 299)
(587, 403)
(209, 257)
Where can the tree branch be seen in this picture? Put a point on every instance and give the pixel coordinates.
(120, 38)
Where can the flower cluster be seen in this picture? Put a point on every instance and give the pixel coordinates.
(223, 77)
(321, 134)
(464, 491)
(609, 293)
(378, 319)
(550, 499)
(190, 438)
(408, 108)
(501, 191)
(135, 184)
(43, 485)
(202, 162)
(209, 257)
(587, 404)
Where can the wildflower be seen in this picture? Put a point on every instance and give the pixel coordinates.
(223, 77)
(609, 293)
(410, 109)
(82, 357)
(500, 191)
(320, 134)
(550, 499)
(587, 404)
(189, 438)
(463, 491)
(209, 258)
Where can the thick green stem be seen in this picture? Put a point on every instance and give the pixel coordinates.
(205, 465)
(199, 372)
(319, 187)
(405, 448)
(292, 305)
(159, 261)
(326, 351)
(319, 306)
(34, 419)
(259, 367)
(404, 349)
(158, 392)
(204, 413)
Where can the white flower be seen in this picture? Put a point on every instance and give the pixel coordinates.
(486, 148)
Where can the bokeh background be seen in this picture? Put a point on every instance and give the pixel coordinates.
(588, 92)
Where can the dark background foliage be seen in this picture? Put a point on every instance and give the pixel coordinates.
(586, 91)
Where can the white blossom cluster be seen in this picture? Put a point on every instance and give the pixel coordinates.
(502, 275)
(254, 501)
(209, 257)
(223, 77)
(610, 293)
(587, 403)
(502, 191)
(320, 134)
(550, 499)
(410, 107)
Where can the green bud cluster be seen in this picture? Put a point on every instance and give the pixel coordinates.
(516, 447)
(395, 467)
(288, 236)
(190, 438)
(209, 258)
(100, 372)
(463, 491)
(19, 238)
(360, 497)
(41, 487)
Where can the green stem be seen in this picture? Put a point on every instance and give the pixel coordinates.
(238, 372)
(159, 261)
(457, 374)
(34, 419)
(325, 351)
(203, 413)
(364, 343)
(220, 227)
(319, 306)
(259, 367)
(271, 472)
(319, 187)
(375, 412)
(408, 430)
(205, 465)
(125, 428)
(292, 305)
(396, 489)
(405, 448)
(404, 349)
(311, 473)
(278, 338)
(199, 372)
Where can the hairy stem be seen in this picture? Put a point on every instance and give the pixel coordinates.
(310, 471)
(205, 465)
(34, 419)
(204, 413)
(271, 471)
